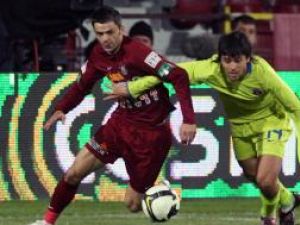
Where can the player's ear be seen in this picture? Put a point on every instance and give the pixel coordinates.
(123, 30)
(248, 59)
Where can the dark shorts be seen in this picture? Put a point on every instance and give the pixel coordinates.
(143, 148)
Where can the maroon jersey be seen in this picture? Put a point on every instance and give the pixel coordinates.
(133, 60)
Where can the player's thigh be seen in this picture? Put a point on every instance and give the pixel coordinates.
(99, 151)
(243, 148)
(249, 167)
(146, 157)
(106, 144)
(269, 167)
(272, 142)
(85, 163)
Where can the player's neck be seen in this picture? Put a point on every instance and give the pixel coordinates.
(116, 50)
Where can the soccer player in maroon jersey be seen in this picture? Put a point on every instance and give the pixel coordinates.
(138, 130)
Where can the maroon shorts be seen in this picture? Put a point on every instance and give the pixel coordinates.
(143, 148)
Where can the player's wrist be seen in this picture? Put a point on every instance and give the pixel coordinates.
(189, 121)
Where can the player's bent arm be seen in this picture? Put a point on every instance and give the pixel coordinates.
(282, 92)
(191, 69)
(179, 78)
(80, 88)
(137, 87)
(71, 99)
(197, 71)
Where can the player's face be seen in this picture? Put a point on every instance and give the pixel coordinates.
(249, 30)
(143, 39)
(234, 67)
(110, 36)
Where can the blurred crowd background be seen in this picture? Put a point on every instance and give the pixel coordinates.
(55, 35)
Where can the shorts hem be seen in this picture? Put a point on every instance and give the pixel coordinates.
(271, 154)
(96, 154)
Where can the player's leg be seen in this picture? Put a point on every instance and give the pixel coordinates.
(84, 163)
(271, 146)
(249, 167)
(246, 156)
(288, 202)
(144, 159)
(268, 170)
(96, 153)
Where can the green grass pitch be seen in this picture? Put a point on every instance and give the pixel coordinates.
(197, 212)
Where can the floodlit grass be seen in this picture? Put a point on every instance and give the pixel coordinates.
(198, 212)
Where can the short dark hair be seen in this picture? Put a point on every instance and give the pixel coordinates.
(234, 44)
(246, 19)
(141, 28)
(106, 14)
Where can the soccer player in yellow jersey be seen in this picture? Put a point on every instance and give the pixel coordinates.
(258, 105)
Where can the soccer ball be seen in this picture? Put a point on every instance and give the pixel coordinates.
(160, 203)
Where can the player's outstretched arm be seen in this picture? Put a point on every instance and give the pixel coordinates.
(197, 72)
(56, 116)
(132, 89)
(270, 81)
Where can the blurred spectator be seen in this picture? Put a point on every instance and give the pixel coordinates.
(204, 46)
(6, 55)
(88, 49)
(26, 25)
(247, 25)
(201, 47)
(142, 32)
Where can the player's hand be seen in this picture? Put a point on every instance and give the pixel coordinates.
(117, 90)
(57, 115)
(187, 133)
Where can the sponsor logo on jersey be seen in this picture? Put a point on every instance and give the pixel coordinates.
(152, 59)
(115, 76)
(257, 91)
(165, 69)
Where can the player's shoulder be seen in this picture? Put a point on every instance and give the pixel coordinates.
(128, 42)
(260, 61)
(135, 47)
(261, 65)
(130, 45)
(140, 54)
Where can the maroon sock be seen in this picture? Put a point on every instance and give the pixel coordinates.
(62, 196)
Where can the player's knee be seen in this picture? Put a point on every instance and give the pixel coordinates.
(266, 183)
(72, 177)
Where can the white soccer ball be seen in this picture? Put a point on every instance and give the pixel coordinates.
(160, 203)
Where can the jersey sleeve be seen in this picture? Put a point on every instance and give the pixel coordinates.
(282, 92)
(81, 87)
(153, 63)
(138, 86)
(198, 72)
